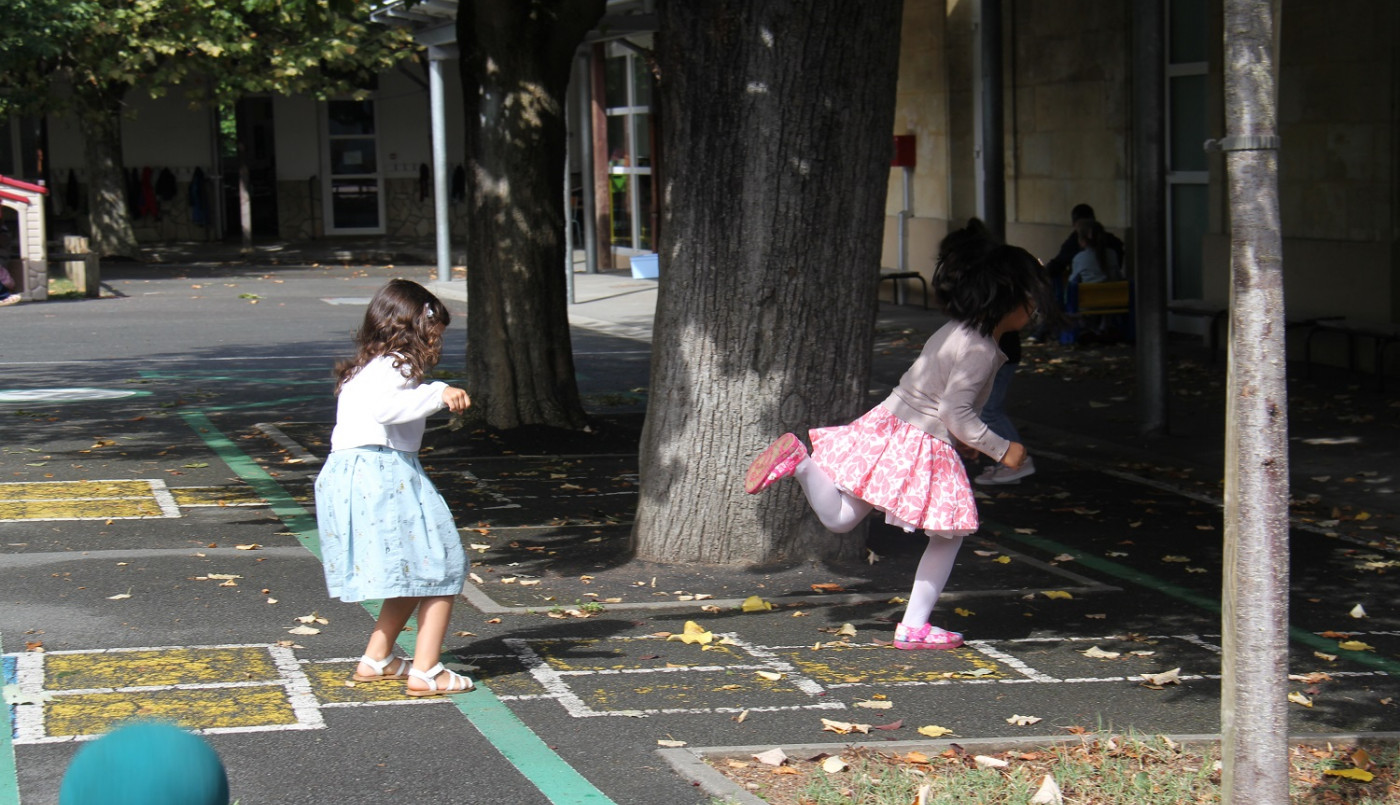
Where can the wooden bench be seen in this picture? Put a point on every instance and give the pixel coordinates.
(896, 276)
(1200, 308)
(1097, 299)
(1382, 335)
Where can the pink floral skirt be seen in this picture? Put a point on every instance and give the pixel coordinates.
(917, 480)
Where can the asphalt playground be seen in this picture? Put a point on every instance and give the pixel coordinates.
(158, 559)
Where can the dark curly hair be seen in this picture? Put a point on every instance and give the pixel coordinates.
(404, 320)
(979, 280)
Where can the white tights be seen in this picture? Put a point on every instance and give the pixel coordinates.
(841, 512)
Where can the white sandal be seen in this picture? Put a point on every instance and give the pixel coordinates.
(456, 683)
(380, 665)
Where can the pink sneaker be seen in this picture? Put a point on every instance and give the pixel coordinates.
(777, 461)
(926, 636)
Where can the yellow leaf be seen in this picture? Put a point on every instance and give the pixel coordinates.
(1056, 594)
(1362, 516)
(847, 629)
(964, 613)
(694, 633)
(1298, 698)
(771, 676)
(1354, 645)
(1351, 774)
(755, 604)
(933, 731)
(1002, 560)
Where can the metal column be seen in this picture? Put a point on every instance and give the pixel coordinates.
(436, 56)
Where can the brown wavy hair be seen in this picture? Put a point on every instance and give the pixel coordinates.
(404, 320)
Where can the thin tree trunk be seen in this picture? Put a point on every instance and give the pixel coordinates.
(109, 216)
(776, 121)
(515, 61)
(1254, 717)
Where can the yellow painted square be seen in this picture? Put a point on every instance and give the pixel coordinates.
(331, 683)
(70, 490)
(612, 655)
(883, 665)
(209, 708)
(80, 509)
(705, 690)
(178, 666)
(215, 496)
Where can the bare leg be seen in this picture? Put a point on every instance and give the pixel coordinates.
(837, 510)
(433, 616)
(930, 578)
(393, 614)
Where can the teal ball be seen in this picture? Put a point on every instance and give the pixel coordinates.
(145, 764)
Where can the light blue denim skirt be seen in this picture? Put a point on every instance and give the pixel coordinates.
(385, 530)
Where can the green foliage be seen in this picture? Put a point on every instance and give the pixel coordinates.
(102, 48)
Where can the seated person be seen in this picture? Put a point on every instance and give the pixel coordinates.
(1095, 262)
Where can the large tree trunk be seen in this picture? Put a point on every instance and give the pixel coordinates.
(515, 61)
(109, 217)
(776, 121)
(1254, 664)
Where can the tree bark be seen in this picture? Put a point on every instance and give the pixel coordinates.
(776, 118)
(515, 62)
(99, 115)
(1254, 664)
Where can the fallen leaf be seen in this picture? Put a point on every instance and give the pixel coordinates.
(1355, 645)
(914, 757)
(844, 727)
(988, 762)
(828, 588)
(312, 618)
(755, 604)
(475, 578)
(1002, 560)
(743, 714)
(771, 676)
(1055, 595)
(1357, 611)
(1351, 774)
(875, 705)
(119, 596)
(1022, 721)
(669, 744)
(1048, 794)
(834, 764)
(1298, 698)
(252, 546)
(1172, 677)
(773, 757)
(1176, 558)
(871, 557)
(933, 731)
(303, 630)
(1099, 653)
(694, 633)
(963, 613)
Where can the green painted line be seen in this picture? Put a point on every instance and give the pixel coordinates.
(297, 519)
(560, 783)
(9, 774)
(1295, 633)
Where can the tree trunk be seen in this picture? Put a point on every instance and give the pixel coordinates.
(1254, 664)
(776, 120)
(99, 115)
(515, 62)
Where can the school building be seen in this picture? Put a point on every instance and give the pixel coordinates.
(1060, 74)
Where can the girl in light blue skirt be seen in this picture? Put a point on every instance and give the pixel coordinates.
(385, 531)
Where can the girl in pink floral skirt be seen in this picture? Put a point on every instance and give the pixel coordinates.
(902, 457)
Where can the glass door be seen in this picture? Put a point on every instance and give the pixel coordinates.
(1187, 174)
(628, 93)
(354, 197)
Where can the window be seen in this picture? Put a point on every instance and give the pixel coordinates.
(627, 96)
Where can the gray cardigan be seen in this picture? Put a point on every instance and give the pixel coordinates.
(942, 393)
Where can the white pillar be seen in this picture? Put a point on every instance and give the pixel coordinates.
(439, 126)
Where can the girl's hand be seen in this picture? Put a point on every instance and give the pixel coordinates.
(1015, 455)
(455, 399)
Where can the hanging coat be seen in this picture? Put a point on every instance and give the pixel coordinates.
(149, 205)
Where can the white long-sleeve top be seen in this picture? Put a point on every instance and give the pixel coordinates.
(379, 406)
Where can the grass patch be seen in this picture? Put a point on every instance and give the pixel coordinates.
(1099, 769)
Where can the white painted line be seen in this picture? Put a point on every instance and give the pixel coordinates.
(164, 499)
(1021, 667)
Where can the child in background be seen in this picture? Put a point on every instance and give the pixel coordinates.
(385, 531)
(902, 457)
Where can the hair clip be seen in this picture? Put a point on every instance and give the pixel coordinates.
(428, 309)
